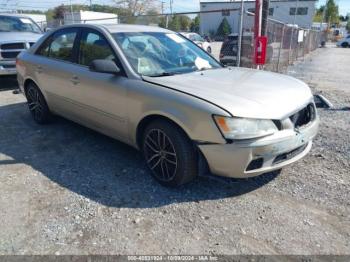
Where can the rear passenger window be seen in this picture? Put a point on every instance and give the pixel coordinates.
(60, 46)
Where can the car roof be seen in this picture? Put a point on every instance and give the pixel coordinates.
(120, 28)
(116, 28)
(14, 15)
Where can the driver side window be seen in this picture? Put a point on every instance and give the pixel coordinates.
(94, 46)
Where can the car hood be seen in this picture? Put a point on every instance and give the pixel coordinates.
(8, 37)
(243, 92)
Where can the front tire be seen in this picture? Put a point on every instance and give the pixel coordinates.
(37, 105)
(169, 153)
(345, 45)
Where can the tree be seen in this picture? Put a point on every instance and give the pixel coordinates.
(58, 12)
(185, 22)
(224, 28)
(332, 12)
(319, 14)
(174, 23)
(136, 7)
(195, 25)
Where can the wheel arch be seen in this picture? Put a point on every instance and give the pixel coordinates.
(146, 120)
(29, 81)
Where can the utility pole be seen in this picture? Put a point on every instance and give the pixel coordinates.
(162, 7)
(291, 34)
(90, 5)
(240, 36)
(257, 22)
(257, 25)
(171, 6)
(324, 14)
(265, 15)
(71, 11)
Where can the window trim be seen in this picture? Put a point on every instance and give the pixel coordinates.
(84, 32)
(51, 37)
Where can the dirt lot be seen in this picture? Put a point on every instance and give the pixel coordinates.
(68, 190)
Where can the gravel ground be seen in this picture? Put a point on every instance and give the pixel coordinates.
(68, 190)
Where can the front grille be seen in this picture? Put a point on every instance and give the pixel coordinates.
(304, 116)
(9, 55)
(12, 46)
(8, 66)
(289, 155)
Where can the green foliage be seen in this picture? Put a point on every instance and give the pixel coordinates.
(319, 14)
(224, 28)
(332, 12)
(328, 13)
(195, 24)
(174, 23)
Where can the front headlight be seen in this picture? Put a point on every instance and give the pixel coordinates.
(244, 128)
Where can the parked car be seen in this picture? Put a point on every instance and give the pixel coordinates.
(17, 33)
(200, 41)
(229, 50)
(160, 93)
(345, 42)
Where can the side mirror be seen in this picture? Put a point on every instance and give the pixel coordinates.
(104, 66)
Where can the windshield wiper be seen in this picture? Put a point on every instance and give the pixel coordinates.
(164, 74)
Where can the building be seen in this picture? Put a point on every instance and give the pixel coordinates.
(298, 12)
(88, 17)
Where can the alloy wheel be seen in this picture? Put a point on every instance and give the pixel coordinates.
(35, 103)
(160, 155)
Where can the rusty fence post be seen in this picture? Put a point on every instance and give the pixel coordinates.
(280, 49)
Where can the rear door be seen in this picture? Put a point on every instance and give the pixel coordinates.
(54, 67)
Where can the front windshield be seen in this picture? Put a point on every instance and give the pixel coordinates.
(160, 54)
(18, 24)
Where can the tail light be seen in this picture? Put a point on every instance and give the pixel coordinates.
(18, 62)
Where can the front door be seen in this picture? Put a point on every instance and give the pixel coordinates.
(101, 98)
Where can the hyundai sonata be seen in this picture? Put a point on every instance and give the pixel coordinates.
(162, 94)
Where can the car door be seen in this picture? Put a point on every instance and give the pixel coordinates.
(53, 70)
(101, 97)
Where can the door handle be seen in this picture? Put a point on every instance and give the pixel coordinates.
(75, 80)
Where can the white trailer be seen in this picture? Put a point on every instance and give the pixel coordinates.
(88, 17)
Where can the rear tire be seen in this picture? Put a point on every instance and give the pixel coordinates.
(169, 153)
(37, 105)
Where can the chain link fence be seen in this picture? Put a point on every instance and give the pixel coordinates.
(286, 43)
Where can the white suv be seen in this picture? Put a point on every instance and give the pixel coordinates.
(17, 33)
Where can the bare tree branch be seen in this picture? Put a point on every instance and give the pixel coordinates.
(136, 7)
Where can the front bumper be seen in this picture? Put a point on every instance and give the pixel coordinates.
(8, 67)
(273, 152)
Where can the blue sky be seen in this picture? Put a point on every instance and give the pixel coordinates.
(179, 5)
